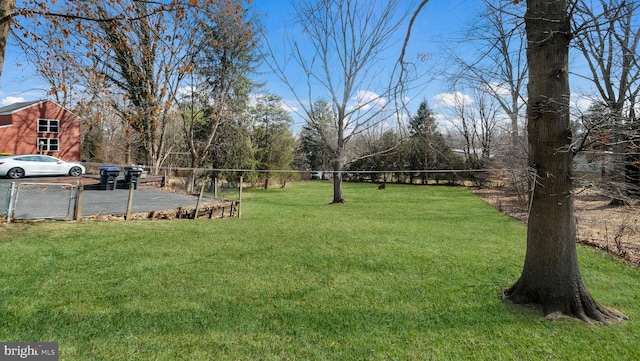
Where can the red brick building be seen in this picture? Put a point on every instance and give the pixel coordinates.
(40, 127)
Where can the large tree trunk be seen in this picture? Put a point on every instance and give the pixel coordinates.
(551, 276)
(6, 7)
(337, 183)
(338, 163)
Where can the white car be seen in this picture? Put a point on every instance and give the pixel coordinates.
(18, 166)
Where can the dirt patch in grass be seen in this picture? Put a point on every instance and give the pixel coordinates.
(615, 229)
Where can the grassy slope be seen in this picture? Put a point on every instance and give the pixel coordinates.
(404, 273)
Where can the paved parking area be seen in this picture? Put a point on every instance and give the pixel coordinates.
(114, 202)
(96, 201)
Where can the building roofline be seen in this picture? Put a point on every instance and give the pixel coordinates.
(16, 107)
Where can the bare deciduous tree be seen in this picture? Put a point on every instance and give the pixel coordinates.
(498, 67)
(607, 35)
(220, 87)
(135, 55)
(347, 40)
(474, 121)
(61, 16)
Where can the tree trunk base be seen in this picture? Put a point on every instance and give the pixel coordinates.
(579, 306)
(339, 201)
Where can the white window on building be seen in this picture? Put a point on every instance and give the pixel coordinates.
(48, 145)
(48, 126)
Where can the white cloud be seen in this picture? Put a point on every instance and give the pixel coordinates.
(498, 89)
(184, 92)
(449, 100)
(289, 107)
(10, 100)
(440, 118)
(582, 103)
(365, 100)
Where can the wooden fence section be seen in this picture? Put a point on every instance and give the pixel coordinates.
(221, 209)
(227, 209)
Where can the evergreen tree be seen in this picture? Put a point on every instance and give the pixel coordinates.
(273, 142)
(316, 137)
(427, 146)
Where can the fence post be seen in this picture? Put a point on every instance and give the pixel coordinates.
(240, 198)
(215, 187)
(12, 201)
(195, 212)
(78, 206)
(129, 202)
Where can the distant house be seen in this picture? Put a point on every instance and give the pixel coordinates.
(40, 127)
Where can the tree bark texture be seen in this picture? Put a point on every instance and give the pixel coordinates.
(551, 276)
(339, 160)
(6, 7)
(338, 166)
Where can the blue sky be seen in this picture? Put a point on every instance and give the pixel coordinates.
(438, 24)
(439, 28)
(440, 21)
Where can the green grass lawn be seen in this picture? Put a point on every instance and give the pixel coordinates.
(406, 273)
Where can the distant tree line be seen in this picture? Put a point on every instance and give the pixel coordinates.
(417, 146)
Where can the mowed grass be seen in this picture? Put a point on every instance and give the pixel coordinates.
(405, 273)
